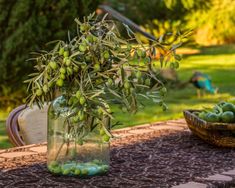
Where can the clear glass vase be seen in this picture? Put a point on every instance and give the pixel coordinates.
(78, 149)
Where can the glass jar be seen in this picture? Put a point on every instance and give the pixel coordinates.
(79, 148)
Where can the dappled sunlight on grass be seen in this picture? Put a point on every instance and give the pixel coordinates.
(218, 96)
(221, 69)
(176, 104)
(3, 115)
(4, 141)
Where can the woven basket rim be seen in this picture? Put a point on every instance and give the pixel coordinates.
(209, 125)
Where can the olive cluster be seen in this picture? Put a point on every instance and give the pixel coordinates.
(82, 170)
(221, 112)
(95, 67)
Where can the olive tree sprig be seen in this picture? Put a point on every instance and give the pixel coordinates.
(98, 66)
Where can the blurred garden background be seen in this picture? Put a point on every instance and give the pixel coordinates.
(27, 25)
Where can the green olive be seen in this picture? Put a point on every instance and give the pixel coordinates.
(45, 88)
(138, 74)
(77, 172)
(82, 100)
(106, 55)
(75, 69)
(110, 82)
(66, 54)
(127, 85)
(78, 94)
(65, 59)
(99, 81)
(69, 71)
(61, 51)
(147, 82)
(62, 70)
(83, 66)
(83, 27)
(62, 76)
(88, 58)
(89, 38)
(38, 92)
(56, 170)
(94, 38)
(82, 47)
(84, 172)
(100, 111)
(60, 82)
(105, 168)
(65, 171)
(81, 115)
(106, 138)
(102, 132)
(53, 65)
(68, 62)
(97, 67)
(163, 91)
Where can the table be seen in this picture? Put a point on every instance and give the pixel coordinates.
(163, 154)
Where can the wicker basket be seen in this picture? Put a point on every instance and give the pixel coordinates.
(219, 134)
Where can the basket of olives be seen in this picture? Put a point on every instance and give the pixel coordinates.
(215, 125)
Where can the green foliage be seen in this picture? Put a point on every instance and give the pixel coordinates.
(216, 24)
(94, 68)
(163, 28)
(26, 26)
(212, 20)
(145, 11)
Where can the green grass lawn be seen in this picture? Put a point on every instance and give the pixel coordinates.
(4, 142)
(217, 61)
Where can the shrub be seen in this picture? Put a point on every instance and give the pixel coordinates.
(26, 26)
(216, 24)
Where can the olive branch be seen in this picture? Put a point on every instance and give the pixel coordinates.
(97, 67)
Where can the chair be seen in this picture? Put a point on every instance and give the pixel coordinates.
(27, 125)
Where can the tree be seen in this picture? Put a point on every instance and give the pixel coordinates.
(25, 27)
(216, 24)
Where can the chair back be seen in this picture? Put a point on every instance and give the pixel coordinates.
(27, 125)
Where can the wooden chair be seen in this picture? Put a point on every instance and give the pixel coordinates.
(27, 125)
